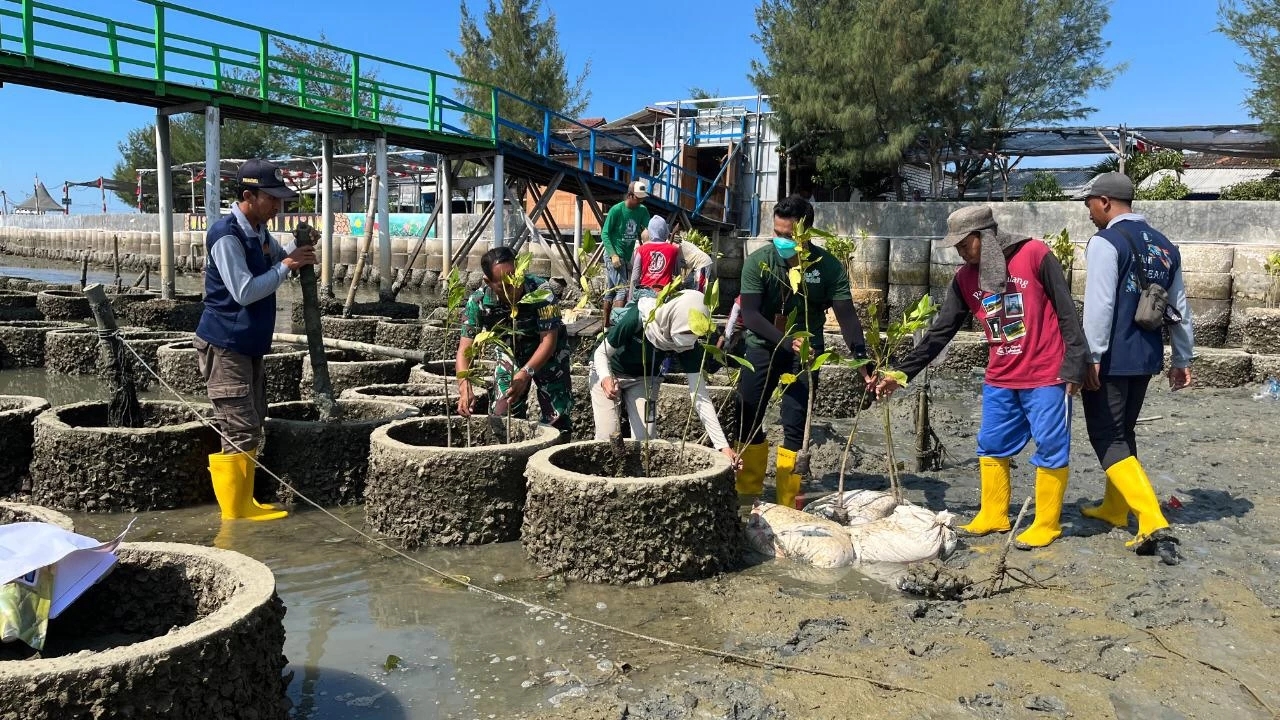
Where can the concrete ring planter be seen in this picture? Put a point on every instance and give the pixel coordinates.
(22, 342)
(440, 342)
(326, 461)
(17, 432)
(81, 463)
(429, 397)
(348, 369)
(423, 492)
(178, 366)
(158, 314)
(18, 305)
(21, 512)
(406, 334)
(189, 632)
(75, 350)
(357, 328)
(63, 305)
(433, 371)
(676, 413)
(146, 344)
(679, 524)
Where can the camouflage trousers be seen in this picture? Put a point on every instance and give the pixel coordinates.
(553, 386)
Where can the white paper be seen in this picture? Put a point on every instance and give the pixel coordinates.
(79, 561)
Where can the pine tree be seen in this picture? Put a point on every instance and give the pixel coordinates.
(1254, 25)
(240, 139)
(866, 83)
(520, 53)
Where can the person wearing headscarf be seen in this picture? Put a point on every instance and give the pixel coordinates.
(657, 261)
(1016, 289)
(626, 368)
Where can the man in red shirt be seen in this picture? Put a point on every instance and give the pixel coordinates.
(1015, 287)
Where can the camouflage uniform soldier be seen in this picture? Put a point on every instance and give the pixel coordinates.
(537, 337)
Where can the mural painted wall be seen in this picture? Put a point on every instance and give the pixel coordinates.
(402, 224)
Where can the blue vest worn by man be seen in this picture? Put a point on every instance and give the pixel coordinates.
(1134, 351)
(226, 323)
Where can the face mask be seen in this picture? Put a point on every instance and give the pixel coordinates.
(786, 247)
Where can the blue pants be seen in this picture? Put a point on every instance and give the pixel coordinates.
(1010, 418)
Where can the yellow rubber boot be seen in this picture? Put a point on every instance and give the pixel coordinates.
(1051, 484)
(1133, 485)
(251, 468)
(785, 481)
(993, 513)
(233, 489)
(1113, 510)
(750, 479)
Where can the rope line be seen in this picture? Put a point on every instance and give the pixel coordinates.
(502, 597)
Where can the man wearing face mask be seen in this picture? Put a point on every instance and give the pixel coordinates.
(773, 349)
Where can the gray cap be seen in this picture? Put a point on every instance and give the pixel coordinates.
(1114, 185)
(965, 221)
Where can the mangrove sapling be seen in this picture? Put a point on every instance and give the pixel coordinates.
(664, 295)
(1060, 245)
(703, 326)
(455, 292)
(1272, 268)
(882, 353)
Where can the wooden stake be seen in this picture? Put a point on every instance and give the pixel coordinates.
(417, 356)
(364, 252)
(115, 255)
(123, 409)
(325, 402)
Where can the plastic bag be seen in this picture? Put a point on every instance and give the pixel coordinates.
(780, 531)
(24, 608)
(910, 534)
(866, 504)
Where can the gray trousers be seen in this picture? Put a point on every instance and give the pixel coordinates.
(237, 387)
(638, 398)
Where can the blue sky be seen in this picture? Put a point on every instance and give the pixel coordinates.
(1180, 72)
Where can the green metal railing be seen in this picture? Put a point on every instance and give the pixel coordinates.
(268, 78)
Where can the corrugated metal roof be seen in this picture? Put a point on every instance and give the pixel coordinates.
(1210, 181)
(1071, 180)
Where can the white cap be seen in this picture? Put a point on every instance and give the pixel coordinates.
(639, 188)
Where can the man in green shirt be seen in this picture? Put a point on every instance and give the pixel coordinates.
(772, 348)
(537, 337)
(622, 228)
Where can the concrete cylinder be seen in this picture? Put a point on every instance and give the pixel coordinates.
(152, 634)
(23, 342)
(589, 510)
(349, 369)
(425, 486)
(82, 463)
(435, 398)
(325, 460)
(17, 433)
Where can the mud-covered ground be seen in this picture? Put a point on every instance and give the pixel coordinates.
(1114, 635)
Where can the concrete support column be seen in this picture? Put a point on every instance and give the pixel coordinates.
(212, 165)
(444, 194)
(384, 219)
(326, 207)
(164, 191)
(577, 226)
(499, 188)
